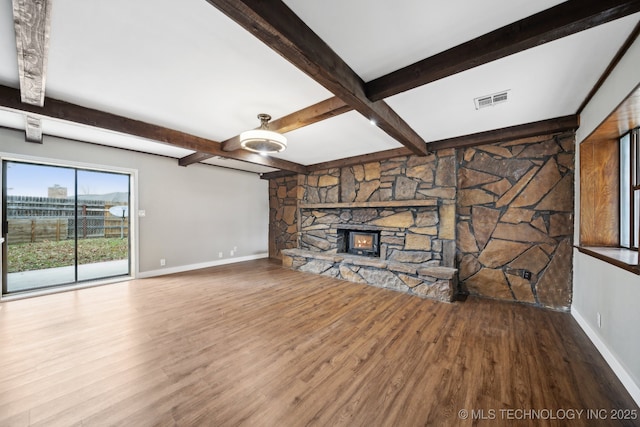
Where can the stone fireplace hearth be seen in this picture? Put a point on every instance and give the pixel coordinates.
(423, 280)
(412, 255)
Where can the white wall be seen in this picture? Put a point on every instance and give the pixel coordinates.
(192, 213)
(599, 287)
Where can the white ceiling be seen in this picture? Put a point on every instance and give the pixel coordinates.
(376, 38)
(549, 81)
(185, 66)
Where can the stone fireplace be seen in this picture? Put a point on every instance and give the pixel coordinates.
(501, 213)
(393, 208)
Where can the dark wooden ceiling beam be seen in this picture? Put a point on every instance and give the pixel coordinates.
(276, 174)
(543, 127)
(321, 111)
(559, 21)
(365, 158)
(511, 133)
(282, 30)
(347, 161)
(192, 158)
(378, 156)
(53, 108)
(315, 113)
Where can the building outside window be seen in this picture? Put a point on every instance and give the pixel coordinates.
(630, 189)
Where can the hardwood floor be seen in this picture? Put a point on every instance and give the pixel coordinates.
(253, 344)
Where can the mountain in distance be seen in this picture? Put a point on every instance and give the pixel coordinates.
(117, 197)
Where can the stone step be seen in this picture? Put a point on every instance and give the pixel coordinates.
(424, 280)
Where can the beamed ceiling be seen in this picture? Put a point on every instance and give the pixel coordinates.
(345, 81)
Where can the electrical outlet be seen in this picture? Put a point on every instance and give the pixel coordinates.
(142, 212)
(230, 253)
(599, 319)
(526, 274)
(163, 262)
(220, 254)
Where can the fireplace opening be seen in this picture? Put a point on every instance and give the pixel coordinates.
(359, 242)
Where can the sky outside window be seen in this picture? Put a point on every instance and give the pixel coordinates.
(25, 179)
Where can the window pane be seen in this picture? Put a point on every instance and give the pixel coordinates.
(103, 224)
(40, 236)
(637, 218)
(625, 191)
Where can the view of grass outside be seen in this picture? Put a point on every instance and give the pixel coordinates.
(49, 254)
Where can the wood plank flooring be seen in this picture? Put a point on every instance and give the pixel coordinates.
(253, 344)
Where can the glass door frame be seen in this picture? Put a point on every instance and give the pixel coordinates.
(133, 224)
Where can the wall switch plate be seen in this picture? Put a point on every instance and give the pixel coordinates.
(163, 262)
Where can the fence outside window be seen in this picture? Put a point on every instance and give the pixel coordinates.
(35, 219)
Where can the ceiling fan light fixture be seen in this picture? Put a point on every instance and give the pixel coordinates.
(263, 140)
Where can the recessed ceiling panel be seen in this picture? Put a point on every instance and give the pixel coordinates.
(346, 135)
(178, 64)
(545, 82)
(376, 38)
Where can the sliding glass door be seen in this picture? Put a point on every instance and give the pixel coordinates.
(102, 224)
(39, 242)
(62, 225)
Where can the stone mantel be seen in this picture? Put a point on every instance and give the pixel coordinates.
(381, 204)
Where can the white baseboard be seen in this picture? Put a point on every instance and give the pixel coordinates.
(618, 369)
(182, 268)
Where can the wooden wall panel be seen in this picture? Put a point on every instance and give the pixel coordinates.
(599, 193)
(587, 194)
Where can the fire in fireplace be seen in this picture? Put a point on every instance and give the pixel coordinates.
(361, 242)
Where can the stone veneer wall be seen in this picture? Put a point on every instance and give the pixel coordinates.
(284, 194)
(515, 214)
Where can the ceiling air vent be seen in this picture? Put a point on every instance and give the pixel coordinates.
(491, 100)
